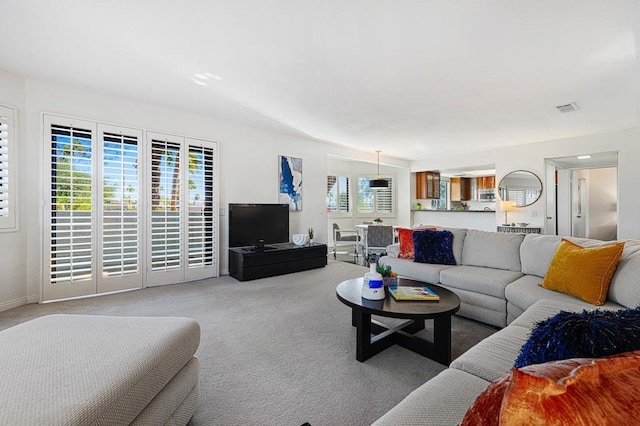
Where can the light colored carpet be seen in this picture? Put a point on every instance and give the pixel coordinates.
(277, 351)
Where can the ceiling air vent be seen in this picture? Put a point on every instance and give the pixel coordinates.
(568, 107)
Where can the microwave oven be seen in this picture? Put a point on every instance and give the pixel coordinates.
(488, 196)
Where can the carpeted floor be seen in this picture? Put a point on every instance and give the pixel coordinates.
(277, 351)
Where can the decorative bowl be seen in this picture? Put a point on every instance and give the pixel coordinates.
(523, 224)
(300, 239)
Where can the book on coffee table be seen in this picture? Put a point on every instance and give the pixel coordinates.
(412, 293)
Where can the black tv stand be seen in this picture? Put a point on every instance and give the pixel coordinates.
(250, 263)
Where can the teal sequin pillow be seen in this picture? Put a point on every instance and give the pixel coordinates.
(433, 247)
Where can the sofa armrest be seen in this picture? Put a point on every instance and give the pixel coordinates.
(393, 250)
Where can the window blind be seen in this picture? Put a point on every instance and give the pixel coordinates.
(120, 208)
(332, 194)
(165, 206)
(7, 171)
(71, 203)
(338, 198)
(201, 203)
(384, 198)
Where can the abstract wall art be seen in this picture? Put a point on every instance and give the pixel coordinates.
(290, 181)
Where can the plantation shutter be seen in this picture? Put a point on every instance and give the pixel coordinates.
(201, 203)
(183, 226)
(7, 173)
(120, 202)
(343, 195)
(332, 194)
(366, 196)
(70, 203)
(517, 195)
(166, 202)
(384, 198)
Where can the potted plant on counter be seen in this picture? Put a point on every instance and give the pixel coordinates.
(310, 232)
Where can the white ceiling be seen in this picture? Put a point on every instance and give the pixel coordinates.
(413, 78)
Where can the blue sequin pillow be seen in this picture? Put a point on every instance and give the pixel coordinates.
(586, 334)
(433, 247)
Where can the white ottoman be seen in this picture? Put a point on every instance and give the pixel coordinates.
(96, 370)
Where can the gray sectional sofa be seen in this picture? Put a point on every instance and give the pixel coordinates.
(497, 278)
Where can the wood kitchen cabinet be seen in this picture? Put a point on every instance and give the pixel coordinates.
(486, 182)
(427, 185)
(460, 189)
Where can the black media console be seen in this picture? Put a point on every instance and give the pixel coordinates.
(248, 263)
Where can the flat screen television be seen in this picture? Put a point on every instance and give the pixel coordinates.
(258, 224)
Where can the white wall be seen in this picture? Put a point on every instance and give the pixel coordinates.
(13, 267)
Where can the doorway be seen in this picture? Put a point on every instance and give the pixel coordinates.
(583, 196)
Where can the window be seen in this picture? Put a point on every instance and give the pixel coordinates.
(338, 194)
(7, 169)
(441, 203)
(375, 201)
(105, 184)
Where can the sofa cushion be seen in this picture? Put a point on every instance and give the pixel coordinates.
(480, 280)
(575, 391)
(536, 252)
(500, 250)
(442, 401)
(586, 334)
(546, 308)
(583, 272)
(625, 286)
(494, 356)
(407, 268)
(526, 291)
(433, 247)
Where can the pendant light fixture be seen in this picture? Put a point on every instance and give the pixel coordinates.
(378, 182)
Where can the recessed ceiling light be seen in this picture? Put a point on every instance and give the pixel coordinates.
(583, 157)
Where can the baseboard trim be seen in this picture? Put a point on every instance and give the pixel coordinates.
(10, 304)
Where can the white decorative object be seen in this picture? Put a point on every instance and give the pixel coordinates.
(300, 239)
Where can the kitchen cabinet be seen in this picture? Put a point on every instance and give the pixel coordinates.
(427, 185)
(460, 189)
(486, 182)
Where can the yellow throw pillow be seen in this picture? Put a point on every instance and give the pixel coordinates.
(583, 272)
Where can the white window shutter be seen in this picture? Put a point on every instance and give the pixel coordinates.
(7, 169)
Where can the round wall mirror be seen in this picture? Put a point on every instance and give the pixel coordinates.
(521, 187)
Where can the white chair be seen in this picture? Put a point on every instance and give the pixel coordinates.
(345, 237)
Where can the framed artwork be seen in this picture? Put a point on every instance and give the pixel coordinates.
(290, 182)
